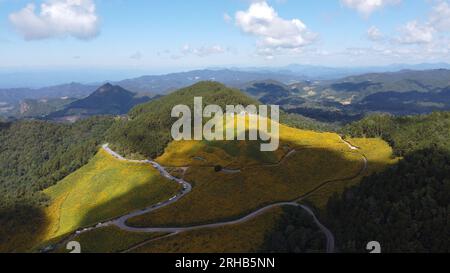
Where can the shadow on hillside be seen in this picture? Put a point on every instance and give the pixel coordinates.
(295, 232)
(242, 196)
(22, 228)
(122, 205)
(404, 207)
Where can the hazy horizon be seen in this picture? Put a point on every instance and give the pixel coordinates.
(36, 77)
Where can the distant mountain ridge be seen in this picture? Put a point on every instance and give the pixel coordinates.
(400, 81)
(73, 90)
(405, 92)
(11, 99)
(150, 85)
(317, 72)
(355, 94)
(163, 84)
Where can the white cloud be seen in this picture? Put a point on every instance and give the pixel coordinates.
(374, 34)
(367, 7)
(440, 16)
(416, 33)
(57, 18)
(275, 33)
(203, 51)
(432, 31)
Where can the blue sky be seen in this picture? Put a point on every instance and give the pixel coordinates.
(170, 35)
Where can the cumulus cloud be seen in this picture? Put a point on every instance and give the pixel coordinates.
(57, 18)
(367, 7)
(433, 30)
(275, 34)
(440, 16)
(416, 33)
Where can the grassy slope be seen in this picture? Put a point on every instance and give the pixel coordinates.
(110, 240)
(379, 155)
(242, 238)
(245, 237)
(103, 189)
(221, 196)
(250, 236)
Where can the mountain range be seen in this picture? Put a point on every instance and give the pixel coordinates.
(314, 72)
(166, 83)
(342, 100)
(10, 99)
(400, 93)
(35, 78)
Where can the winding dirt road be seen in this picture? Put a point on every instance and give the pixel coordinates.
(187, 188)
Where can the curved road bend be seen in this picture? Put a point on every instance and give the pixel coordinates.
(173, 231)
(121, 221)
(187, 188)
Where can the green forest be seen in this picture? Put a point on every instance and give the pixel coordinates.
(296, 232)
(405, 208)
(405, 134)
(35, 155)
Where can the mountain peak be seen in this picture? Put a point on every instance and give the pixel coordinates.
(105, 87)
(106, 100)
(112, 90)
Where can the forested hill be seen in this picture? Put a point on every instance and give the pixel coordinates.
(36, 154)
(106, 100)
(147, 130)
(405, 134)
(407, 207)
